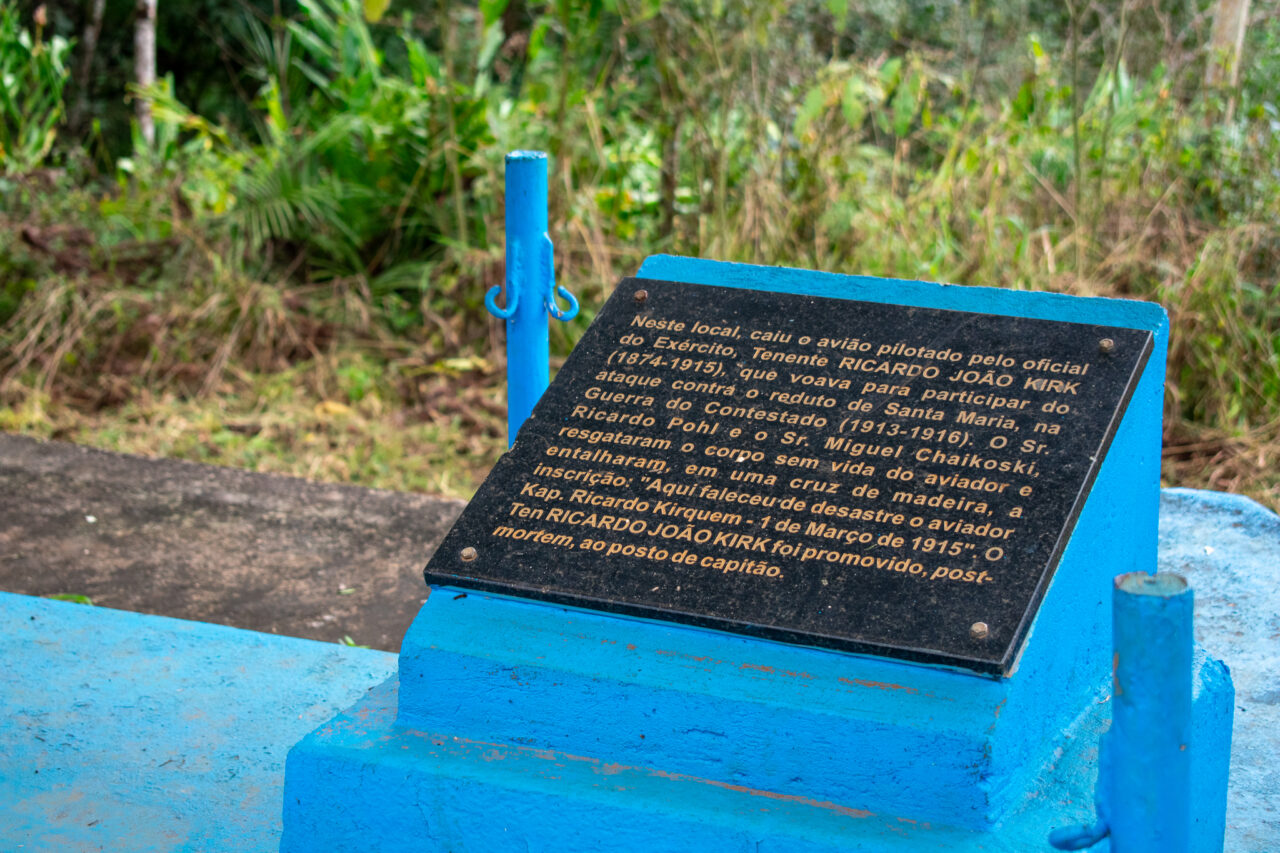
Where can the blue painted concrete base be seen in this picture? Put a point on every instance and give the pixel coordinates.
(362, 782)
(531, 718)
(160, 735)
(1228, 547)
(122, 732)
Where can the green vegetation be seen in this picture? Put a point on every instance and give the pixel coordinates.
(291, 278)
(73, 597)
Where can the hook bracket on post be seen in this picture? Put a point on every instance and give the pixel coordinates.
(531, 289)
(564, 315)
(513, 290)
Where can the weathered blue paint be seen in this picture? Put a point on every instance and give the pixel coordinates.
(1212, 724)
(121, 731)
(797, 721)
(1078, 837)
(1146, 761)
(363, 782)
(1150, 791)
(443, 792)
(100, 701)
(1228, 548)
(531, 289)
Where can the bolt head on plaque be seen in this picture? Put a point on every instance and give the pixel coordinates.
(469, 554)
(979, 630)
(641, 296)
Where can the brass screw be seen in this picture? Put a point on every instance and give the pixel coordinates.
(979, 630)
(469, 554)
(1106, 345)
(641, 296)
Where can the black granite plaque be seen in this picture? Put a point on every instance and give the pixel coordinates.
(852, 475)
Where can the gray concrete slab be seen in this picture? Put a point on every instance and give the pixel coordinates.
(258, 551)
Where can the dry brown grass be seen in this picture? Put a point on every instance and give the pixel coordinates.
(1245, 464)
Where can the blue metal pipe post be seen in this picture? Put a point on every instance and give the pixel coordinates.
(1150, 790)
(530, 285)
(527, 281)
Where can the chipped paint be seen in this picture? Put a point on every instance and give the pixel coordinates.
(878, 685)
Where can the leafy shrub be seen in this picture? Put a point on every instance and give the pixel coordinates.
(358, 170)
(33, 73)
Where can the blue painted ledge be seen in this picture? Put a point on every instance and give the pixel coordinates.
(1228, 547)
(126, 732)
(156, 734)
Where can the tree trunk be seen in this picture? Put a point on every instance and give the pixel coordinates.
(1226, 44)
(88, 49)
(144, 65)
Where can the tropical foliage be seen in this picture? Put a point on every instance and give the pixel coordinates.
(326, 216)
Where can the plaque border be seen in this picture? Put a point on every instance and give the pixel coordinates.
(810, 638)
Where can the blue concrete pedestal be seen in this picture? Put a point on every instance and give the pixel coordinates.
(366, 782)
(522, 725)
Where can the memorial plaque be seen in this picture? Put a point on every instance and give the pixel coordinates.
(874, 478)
